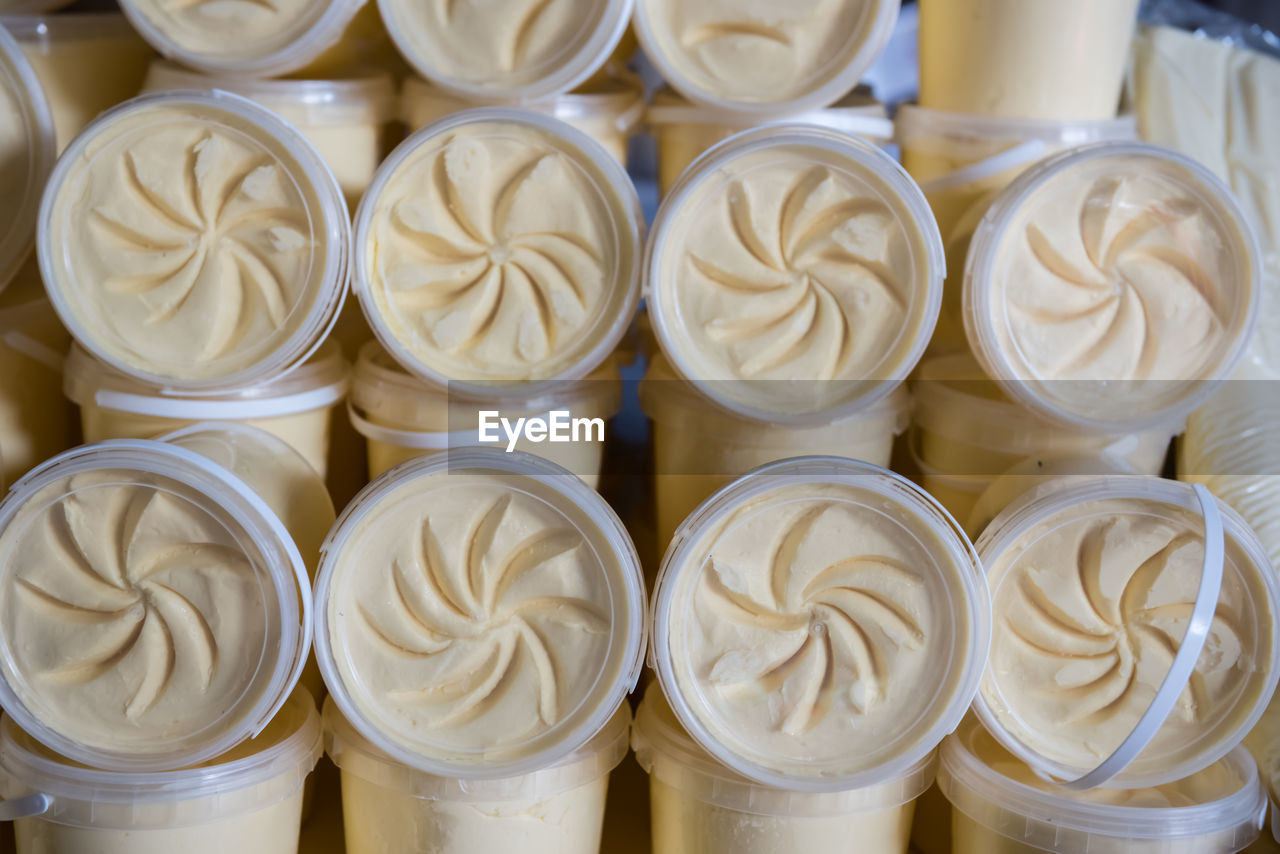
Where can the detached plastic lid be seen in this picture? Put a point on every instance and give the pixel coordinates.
(481, 614)
(820, 625)
(152, 609)
(1219, 809)
(1135, 630)
(27, 153)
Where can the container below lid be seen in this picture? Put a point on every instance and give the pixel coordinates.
(27, 152)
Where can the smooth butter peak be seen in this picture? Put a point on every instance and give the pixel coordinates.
(491, 255)
(185, 242)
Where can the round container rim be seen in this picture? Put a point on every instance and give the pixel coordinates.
(15, 244)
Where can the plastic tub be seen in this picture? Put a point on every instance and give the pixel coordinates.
(498, 249)
(257, 281)
(481, 614)
(698, 806)
(685, 130)
(509, 52)
(158, 609)
(248, 800)
(1002, 807)
(794, 273)
(345, 119)
(764, 60)
(1052, 307)
(391, 807)
(1135, 639)
(251, 41)
(27, 152)
(698, 448)
(606, 108)
(86, 63)
(401, 417)
(36, 421)
(798, 611)
(296, 407)
(1052, 59)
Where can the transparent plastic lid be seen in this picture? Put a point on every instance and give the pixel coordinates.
(857, 113)
(211, 271)
(794, 273)
(41, 31)
(255, 775)
(820, 624)
(29, 150)
(497, 249)
(481, 614)
(666, 752)
(1112, 287)
(156, 609)
(1219, 809)
(1135, 638)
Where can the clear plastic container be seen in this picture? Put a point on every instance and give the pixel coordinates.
(764, 60)
(86, 63)
(296, 408)
(698, 448)
(799, 610)
(460, 208)
(685, 130)
(606, 108)
(259, 277)
(1093, 250)
(698, 805)
(27, 152)
(1096, 675)
(345, 119)
(248, 800)
(962, 161)
(401, 417)
(255, 41)
(36, 421)
(1051, 59)
(1002, 807)
(558, 809)
(794, 273)
(507, 52)
(167, 616)
(480, 614)
(31, 7)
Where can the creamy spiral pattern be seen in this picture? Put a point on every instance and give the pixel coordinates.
(230, 28)
(131, 612)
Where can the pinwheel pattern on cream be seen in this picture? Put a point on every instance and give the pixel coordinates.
(817, 636)
(133, 593)
(479, 617)
(1119, 286)
(799, 278)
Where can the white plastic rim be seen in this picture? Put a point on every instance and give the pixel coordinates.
(623, 100)
(708, 166)
(630, 229)
(354, 755)
(70, 794)
(810, 470)
(914, 124)
(331, 221)
(15, 243)
(272, 542)
(1039, 506)
(338, 101)
(557, 479)
(322, 32)
(45, 30)
(968, 783)
(877, 31)
(869, 120)
(981, 307)
(615, 16)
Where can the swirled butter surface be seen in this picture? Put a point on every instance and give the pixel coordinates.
(813, 634)
(492, 254)
(185, 241)
(471, 616)
(1090, 607)
(230, 28)
(132, 612)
